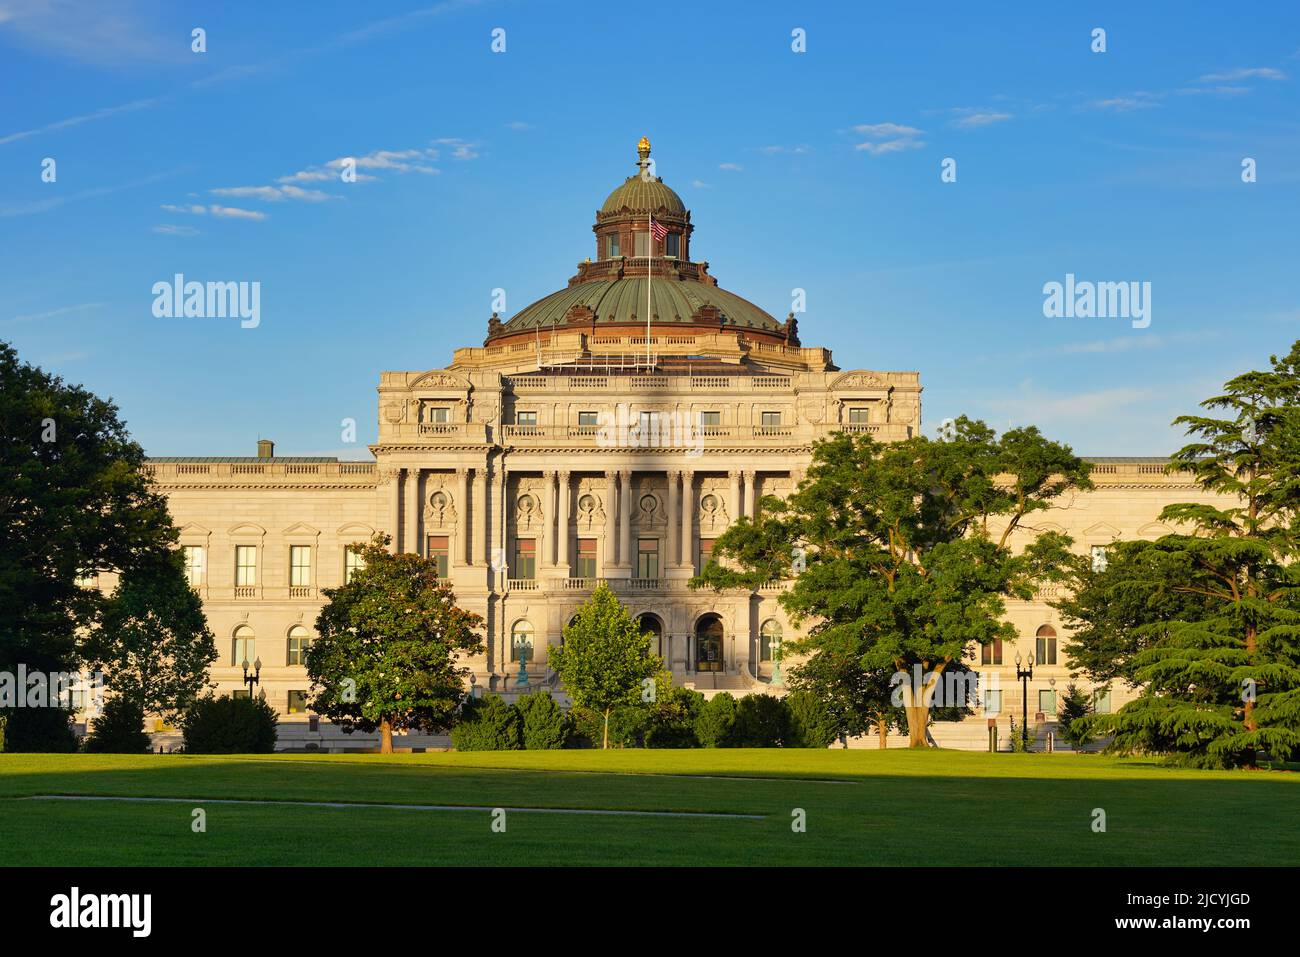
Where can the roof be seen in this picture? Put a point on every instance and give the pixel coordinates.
(242, 459)
(624, 300)
(644, 195)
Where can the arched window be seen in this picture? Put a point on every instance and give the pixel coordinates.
(1045, 652)
(244, 647)
(768, 635)
(299, 639)
(520, 635)
(654, 632)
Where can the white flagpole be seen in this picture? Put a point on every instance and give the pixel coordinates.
(649, 278)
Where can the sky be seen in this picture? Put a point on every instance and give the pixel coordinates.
(481, 168)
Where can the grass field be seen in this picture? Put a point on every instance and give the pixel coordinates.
(862, 807)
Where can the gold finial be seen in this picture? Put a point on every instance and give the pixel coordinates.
(643, 148)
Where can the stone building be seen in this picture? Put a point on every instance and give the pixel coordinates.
(609, 431)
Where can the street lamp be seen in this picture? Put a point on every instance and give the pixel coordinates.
(255, 678)
(777, 680)
(521, 649)
(1024, 674)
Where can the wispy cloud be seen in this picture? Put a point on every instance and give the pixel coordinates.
(731, 167)
(1244, 73)
(885, 138)
(519, 126)
(274, 194)
(169, 229)
(52, 313)
(975, 119)
(785, 150)
(1139, 100)
(221, 212)
(71, 121)
(91, 32)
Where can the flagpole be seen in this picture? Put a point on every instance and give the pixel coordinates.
(649, 278)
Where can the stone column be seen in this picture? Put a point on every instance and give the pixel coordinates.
(734, 504)
(499, 508)
(688, 508)
(625, 556)
(394, 508)
(463, 535)
(478, 534)
(546, 543)
(611, 518)
(674, 503)
(411, 523)
(748, 476)
(562, 530)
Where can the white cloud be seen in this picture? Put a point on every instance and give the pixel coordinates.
(1041, 408)
(1124, 104)
(519, 125)
(1244, 73)
(274, 194)
(53, 313)
(700, 184)
(731, 167)
(785, 150)
(222, 212)
(975, 120)
(167, 229)
(889, 146)
(886, 129)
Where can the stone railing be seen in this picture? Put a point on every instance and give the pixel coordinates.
(360, 474)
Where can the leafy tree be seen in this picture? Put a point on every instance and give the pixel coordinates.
(1070, 712)
(74, 501)
(605, 657)
(229, 725)
(119, 729)
(544, 723)
(903, 554)
(859, 701)
(388, 646)
(716, 721)
(1222, 680)
(672, 722)
(487, 724)
(811, 723)
(762, 721)
(154, 645)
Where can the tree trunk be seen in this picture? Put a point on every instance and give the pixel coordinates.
(385, 737)
(882, 729)
(605, 740)
(918, 717)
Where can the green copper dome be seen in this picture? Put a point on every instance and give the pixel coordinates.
(642, 192)
(623, 300)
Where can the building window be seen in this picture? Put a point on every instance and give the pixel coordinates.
(710, 418)
(194, 564)
(859, 416)
(769, 636)
(1099, 558)
(771, 420)
(1101, 701)
(239, 694)
(525, 558)
(297, 702)
(673, 245)
(299, 565)
(991, 654)
(521, 635)
(438, 414)
(245, 647)
(642, 241)
(352, 563)
(588, 418)
(299, 639)
(245, 564)
(1047, 701)
(526, 418)
(1045, 653)
(647, 558)
(586, 565)
(611, 245)
(705, 552)
(992, 702)
(439, 553)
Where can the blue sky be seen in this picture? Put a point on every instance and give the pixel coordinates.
(817, 170)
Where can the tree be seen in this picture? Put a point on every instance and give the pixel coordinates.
(388, 646)
(1073, 708)
(153, 644)
(857, 700)
(74, 501)
(119, 729)
(811, 723)
(1220, 667)
(544, 725)
(487, 724)
(713, 726)
(229, 725)
(762, 721)
(605, 658)
(902, 554)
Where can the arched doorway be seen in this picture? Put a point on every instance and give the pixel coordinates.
(651, 626)
(708, 643)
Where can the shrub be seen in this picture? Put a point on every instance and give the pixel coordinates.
(715, 722)
(229, 726)
(762, 721)
(119, 730)
(1071, 716)
(39, 730)
(811, 723)
(544, 724)
(586, 727)
(487, 724)
(672, 724)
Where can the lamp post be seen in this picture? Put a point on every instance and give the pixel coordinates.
(777, 680)
(255, 678)
(521, 649)
(1024, 674)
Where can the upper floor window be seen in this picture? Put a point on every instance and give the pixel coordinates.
(647, 561)
(991, 654)
(588, 418)
(1047, 701)
(245, 564)
(244, 646)
(611, 246)
(525, 418)
(710, 418)
(1045, 652)
(672, 245)
(194, 564)
(771, 420)
(642, 240)
(706, 552)
(992, 702)
(352, 563)
(586, 565)
(526, 558)
(438, 414)
(859, 416)
(439, 553)
(296, 652)
(299, 565)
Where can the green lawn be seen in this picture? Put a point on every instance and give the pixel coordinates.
(863, 807)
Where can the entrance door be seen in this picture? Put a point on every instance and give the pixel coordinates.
(708, 644)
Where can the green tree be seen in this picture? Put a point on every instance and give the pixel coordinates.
(229, 725)
(544, 724)
(1221, 681)
(1073, 708)
(74, 501)
(716, 721)
(487, 724)
(811, 723)
(119, 729)
(858, 700)
(605, 658)
(388, 646)
(153, 644)
(762, 721)
(903, 554)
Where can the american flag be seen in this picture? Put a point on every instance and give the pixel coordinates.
(658, 230)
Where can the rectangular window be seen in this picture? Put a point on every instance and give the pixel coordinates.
(586, 564)
(439, 554)
(439, 414)
(297, 702)
(771, 420)
(352, 563)
(859, 416)
(526, 418)
(647, 561)
(1101, 701)
(245, 650)
(239, 694)
(1045, 654)
(706, 552)
(1047, 701)
(672, 245)
(642, 240)
(611, 245)
(589, 418)
(299, 565)
(297, 654)
(710, 418)
(525, 558)
(245, 564)
(194, 564)
(991, 654)
(992, 702)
